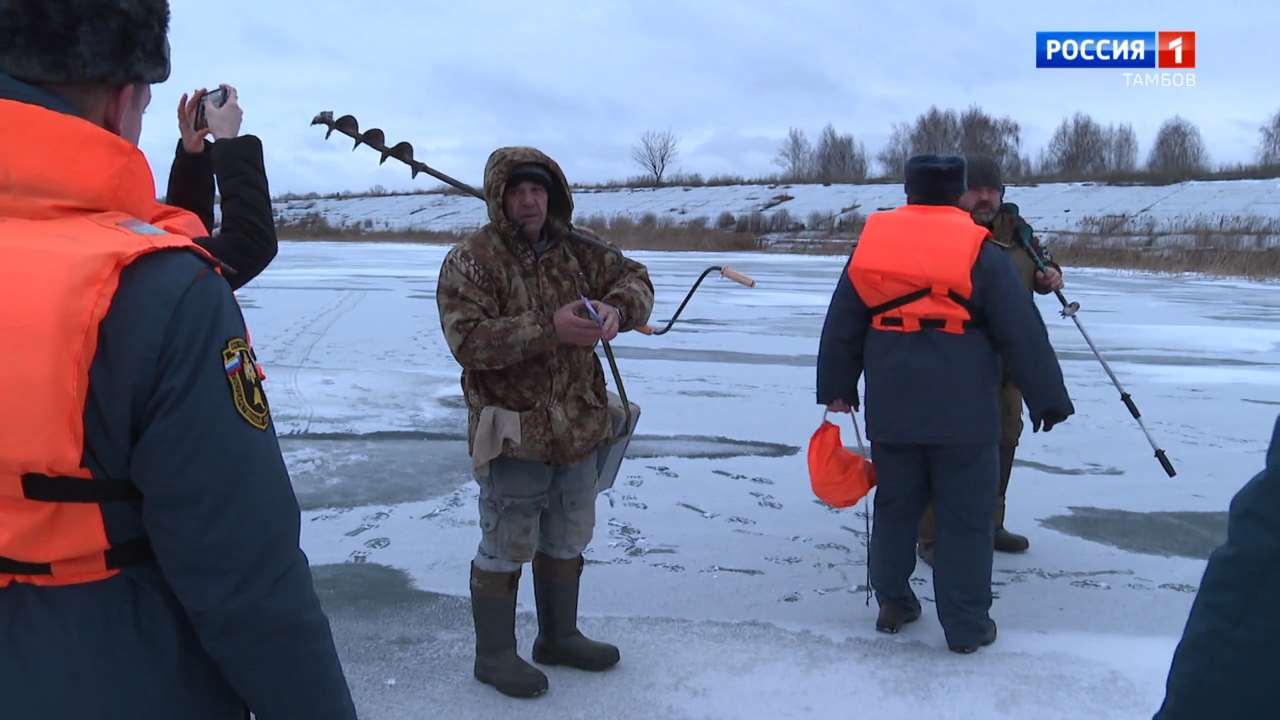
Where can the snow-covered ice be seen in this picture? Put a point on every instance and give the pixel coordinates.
(731, 591)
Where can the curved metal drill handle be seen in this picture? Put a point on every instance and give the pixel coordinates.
(725, 272)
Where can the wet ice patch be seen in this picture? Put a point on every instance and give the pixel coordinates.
(348, 470)
(712, 356)
(704, 447)
(1182, 534)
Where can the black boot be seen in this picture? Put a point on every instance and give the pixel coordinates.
(555, 585)
(1005, 541)
(1009, 542)
(893, 615)
(493, 607)
(986, 639)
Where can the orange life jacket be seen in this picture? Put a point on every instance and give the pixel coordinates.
(78, 206)
(913, 267)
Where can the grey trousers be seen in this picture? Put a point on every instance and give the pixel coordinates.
(528, 507)
(961, 481)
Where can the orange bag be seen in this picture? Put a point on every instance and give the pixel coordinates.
(839, 477)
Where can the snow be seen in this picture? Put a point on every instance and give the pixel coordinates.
(731, 592)
(1050, 208)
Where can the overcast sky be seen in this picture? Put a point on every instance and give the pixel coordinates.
(582, 80)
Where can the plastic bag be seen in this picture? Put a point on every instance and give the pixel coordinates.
(838, 476)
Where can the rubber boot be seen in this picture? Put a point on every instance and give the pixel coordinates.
(1005, 541)
(893, 615)
(493, 607)
(555, 585)
(987, 638)
(926, 534)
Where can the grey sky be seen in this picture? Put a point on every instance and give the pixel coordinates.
(582, 81)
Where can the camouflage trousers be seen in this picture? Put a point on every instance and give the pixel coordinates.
(528, 507)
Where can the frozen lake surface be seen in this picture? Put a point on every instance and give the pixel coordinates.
(730, 591)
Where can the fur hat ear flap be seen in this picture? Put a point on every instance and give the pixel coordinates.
(113, 42)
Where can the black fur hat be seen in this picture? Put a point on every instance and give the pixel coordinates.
(114, 42)
(984, 172)
(935, 179)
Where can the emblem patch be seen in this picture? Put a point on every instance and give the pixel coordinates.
(250, 399)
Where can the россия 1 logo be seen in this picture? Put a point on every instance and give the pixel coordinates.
(1166, 50)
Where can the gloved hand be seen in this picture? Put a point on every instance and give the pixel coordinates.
(1047, 420)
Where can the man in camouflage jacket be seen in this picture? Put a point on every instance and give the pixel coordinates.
(984, 201)
(511, 307)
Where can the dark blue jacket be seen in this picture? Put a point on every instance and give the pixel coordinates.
(1226, 664)
(226, 616)
(932, 387)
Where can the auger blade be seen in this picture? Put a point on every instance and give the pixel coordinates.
(403, 152)
(374, 138)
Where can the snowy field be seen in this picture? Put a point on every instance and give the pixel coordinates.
(1050, 208)
(731, 592)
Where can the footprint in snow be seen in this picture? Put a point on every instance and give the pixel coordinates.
(766, 500)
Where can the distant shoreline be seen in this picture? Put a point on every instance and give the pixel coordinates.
(1261, 265)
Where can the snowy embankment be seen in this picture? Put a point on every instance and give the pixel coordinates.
(1249, 209)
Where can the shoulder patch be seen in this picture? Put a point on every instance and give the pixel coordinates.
(138, 227)
(247, 393)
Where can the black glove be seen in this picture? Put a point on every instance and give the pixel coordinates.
(1047, 420)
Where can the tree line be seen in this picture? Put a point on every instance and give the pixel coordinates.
(1080, 148)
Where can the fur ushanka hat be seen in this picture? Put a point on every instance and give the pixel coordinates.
(114, 42)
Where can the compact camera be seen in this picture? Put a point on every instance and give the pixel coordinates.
(217, 98)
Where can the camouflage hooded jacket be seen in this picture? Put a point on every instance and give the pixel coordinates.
(496, 300)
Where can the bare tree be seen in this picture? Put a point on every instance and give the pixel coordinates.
(1077, 149)
(997, 138)
(654, 152)
(795, 155)
(1025, 167)
(895, 153)
(1122, 148)
(946, 132)
(1179, 150)
(937, 132)
(838, 157)
(1269, 152)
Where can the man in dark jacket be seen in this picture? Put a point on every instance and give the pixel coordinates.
(927, 307)
(984, 201)
(1225, 666)
(201, 606)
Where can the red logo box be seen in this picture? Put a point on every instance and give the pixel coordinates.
(1177, 50)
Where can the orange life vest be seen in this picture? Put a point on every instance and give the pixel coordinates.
(913, 267)
(78, 206)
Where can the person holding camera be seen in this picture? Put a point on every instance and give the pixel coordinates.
(248, 246)
(150, 564)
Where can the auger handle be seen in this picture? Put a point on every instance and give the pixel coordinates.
(737, 277)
